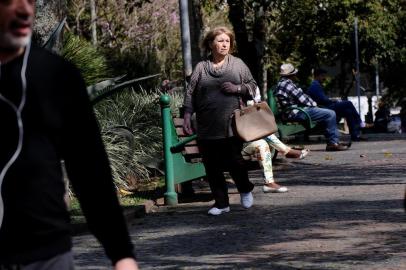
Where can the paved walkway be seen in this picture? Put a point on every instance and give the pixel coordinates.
(343, 211)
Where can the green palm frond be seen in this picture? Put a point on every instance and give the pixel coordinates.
(53, 38)
(91, 63)
(98, 92)
(94, 89)
(141, 149)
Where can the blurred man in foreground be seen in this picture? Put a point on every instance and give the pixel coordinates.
(46, 117)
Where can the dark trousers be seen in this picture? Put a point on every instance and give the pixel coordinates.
(347, 110)
(59, 262)
(224, 155)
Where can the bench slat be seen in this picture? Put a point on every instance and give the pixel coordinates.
(180, 132)
(192, 143)
(178, 122)
(189, 150)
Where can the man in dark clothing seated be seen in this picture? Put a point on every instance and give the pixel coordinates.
(342, 108)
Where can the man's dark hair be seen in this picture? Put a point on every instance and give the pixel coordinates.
(319, 71)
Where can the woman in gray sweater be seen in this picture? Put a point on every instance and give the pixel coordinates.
(217, 86)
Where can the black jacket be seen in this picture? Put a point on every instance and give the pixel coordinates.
(58, 124)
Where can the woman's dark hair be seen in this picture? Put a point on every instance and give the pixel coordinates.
(212, 34)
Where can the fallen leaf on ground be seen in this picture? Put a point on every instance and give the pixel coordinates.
(387, 154)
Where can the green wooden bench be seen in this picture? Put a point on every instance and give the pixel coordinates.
(181, 154)
(288, 127)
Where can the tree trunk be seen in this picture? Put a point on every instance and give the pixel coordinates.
(246, 49)
(258, 70)
(195, 25)
(249, 51)
(93, 18)
(48, 14)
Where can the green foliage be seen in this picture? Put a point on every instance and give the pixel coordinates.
(130, 63)
(120, 153)
(129, 121)
(139, 111)
(214, 13)
(86, 57)
(139, 38)
(310, 33)
(144, 38)
(210, 6)
(176, 101)
(135, 156)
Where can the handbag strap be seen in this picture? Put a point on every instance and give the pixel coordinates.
(250, 91)
(241, 102)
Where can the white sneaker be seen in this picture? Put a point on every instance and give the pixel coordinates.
(247, 200)
(214, 211)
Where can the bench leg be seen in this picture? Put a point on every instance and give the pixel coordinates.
(170, 196)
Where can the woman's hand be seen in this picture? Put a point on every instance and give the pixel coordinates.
(230, 88)
(126, 264)
(187, 123)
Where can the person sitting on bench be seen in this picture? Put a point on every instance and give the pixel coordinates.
(343, 109)
(288, 95)
(260, 151)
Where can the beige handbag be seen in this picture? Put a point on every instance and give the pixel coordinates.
(254, 122)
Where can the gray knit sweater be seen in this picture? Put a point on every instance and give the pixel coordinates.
(213, 108)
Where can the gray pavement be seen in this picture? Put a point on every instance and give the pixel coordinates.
(343, 211)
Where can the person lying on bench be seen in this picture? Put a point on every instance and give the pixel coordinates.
(288, 95)
(260, 151)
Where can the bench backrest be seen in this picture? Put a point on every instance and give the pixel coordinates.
(285, 126)
(272, 102)
(190, 150)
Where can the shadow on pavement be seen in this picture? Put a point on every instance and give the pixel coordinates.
(268, 238)
(337, 215)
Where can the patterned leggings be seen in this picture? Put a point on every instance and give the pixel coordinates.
(261, 151)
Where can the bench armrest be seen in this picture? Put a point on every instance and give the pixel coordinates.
(307, 119)
(181, 144)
